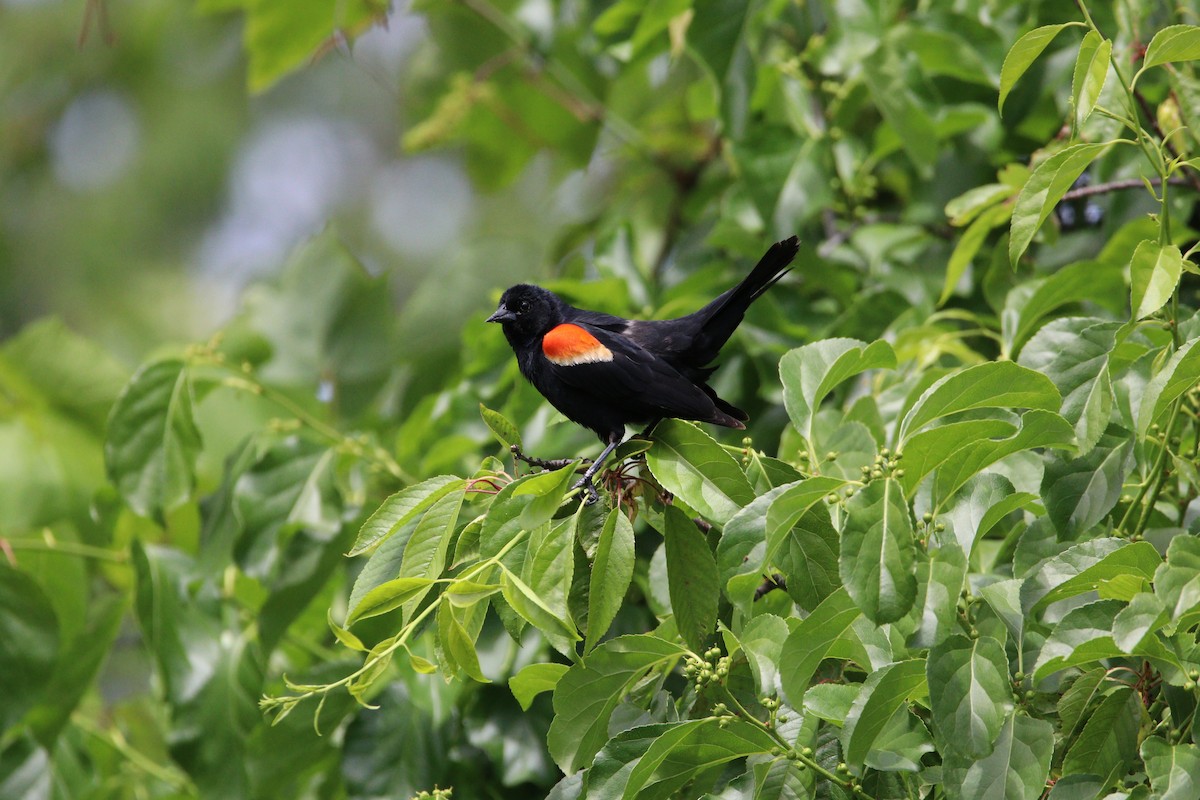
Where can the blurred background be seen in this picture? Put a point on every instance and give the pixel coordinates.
(142, 186)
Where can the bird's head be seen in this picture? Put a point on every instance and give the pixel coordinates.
(527, 311)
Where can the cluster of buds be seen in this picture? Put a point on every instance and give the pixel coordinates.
(713, 668)
(436, 794)
(886, 464)
(746, 451)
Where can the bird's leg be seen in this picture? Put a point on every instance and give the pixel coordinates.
(543, 463)
(585, 482)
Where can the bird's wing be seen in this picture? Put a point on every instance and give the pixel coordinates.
(618, 371)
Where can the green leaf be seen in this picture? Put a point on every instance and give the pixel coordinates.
(1109, 741)
(1172, 769)
(1091, 71)
(400, 509)
(1080, 492)
(679, 752)
(280, 39)
(1084, 636)
(533, 680)
(973, 202)
(940, 582)
(1025, 306)
(1038, 429)
(926, 451)
(1177, 581)
(1173, 43)
(996, 384)
(900, 108)
(984, 501)
(586, 696)
(1074, 354)
(692, 466)
(877, 557)
(62, 368)
(783, 529)
(499, 425)
(1081, 567)
(612, 571)
(29, 643)
(152, 440)
(423, 538)
(1177, 376)
(387, 596)
(972, 240)
(1047, 184)
(691, 578)
(811, 372)
(1078, 697)
(883, 693)
(1022, 55)
(457, 645)
(1154, 273)
(762, 641)
(560, 633)
(974, 693)
(547, 489)
(1144, 615)
(1016, 769)
(810, 641)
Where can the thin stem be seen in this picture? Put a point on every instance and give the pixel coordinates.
(398, 642)
(808, 761)
(50, 544)
(1117, 186)
(240, 380)
(1157, 476)
(116, 740)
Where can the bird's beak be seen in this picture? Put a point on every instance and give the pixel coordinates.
(502, 314)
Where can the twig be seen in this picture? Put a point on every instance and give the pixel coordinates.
(1117, 186)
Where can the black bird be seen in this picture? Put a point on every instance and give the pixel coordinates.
(604, 372)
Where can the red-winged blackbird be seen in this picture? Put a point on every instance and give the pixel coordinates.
(604, 372)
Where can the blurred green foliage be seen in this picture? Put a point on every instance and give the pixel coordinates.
(174, 550)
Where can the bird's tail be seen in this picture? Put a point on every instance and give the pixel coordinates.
(723, 315)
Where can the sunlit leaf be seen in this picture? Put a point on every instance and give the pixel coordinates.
(691, 465)
(1022, 55)
(1049, 182)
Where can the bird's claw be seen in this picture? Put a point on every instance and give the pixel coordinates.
(542, 463)
(587, 485)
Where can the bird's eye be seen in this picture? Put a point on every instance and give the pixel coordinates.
(522, 306)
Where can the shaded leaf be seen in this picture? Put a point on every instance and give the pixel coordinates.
(587, 694)
(1016, 769)
(884, 692)
(152, 440)
(810, 641)
(612, 570)
(691, 578)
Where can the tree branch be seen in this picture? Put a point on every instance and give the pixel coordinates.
(1117, 186)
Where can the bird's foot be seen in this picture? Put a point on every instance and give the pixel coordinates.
(543, 463)
(586, 484)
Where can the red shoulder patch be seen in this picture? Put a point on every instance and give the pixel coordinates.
(568, 345)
